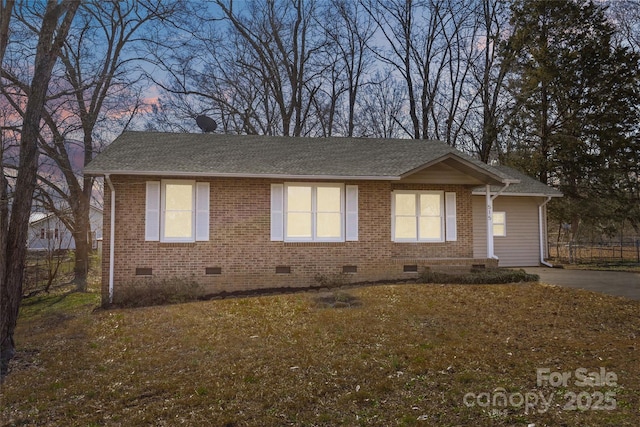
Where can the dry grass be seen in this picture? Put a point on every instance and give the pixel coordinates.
(631, 267)
(383, 355)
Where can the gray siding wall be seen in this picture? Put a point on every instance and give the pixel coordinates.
(521, 246)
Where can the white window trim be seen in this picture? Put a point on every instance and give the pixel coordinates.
(417, 239)
(314, 212)
(494, 223)
(192, 237)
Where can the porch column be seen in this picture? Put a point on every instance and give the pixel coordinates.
(543, 229)
(489, 209)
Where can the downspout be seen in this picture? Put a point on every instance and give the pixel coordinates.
(541, 227)
(489, 208)
(112, 235)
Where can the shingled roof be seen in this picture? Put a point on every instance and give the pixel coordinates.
(185, 154)
(527, 186)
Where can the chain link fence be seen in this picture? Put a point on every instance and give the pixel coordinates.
(627, 250)
(44, 269)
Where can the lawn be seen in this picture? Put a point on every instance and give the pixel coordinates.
(428, 355)
(631, 267)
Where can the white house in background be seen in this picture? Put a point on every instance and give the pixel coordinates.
(48, 232)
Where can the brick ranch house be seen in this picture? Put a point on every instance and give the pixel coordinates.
(238, 213)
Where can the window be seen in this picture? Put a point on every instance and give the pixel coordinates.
(303, 212)
(177, 211)
(499, 224)
(419, 216)
(314, 213)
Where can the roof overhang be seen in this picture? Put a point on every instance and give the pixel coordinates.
(482, 192)
(43, 219)
(50, 215)
(241, 175)
(467, 167)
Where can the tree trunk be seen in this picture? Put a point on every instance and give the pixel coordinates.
(80, 206)
(50, 40)
(81, 265)
(18, 227)
(6, 350)
(6, 302)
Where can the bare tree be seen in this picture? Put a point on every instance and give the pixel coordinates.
(490, 68)
(279, 35)
(395, 21)
(459, 28)
(381, 108)
(7, 296)
(103, 84)
(349, 30)
(209, 76)
(56, 22)
(326, 103)
(428, 44)
(97, 82)
(251, 67)
(625, 15)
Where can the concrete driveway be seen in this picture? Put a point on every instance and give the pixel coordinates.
(608, 282)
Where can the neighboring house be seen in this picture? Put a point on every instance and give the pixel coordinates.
(47, 232)
(237, 212)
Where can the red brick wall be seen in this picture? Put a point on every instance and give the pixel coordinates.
(240, 241)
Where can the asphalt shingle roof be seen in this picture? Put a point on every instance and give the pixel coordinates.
(527, 185)
(146, 153)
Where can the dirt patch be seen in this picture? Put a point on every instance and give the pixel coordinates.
(337, 299)
(25, 359)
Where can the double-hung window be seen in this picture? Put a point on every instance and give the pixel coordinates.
(177, 211)
(423, 216)
(499, 224)
(314, 212)
(305, 212)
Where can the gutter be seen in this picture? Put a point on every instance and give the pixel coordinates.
(112, 235)
(243, 175)
(489, 208)
(500, 191)
(478, 192)
(541, 225)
